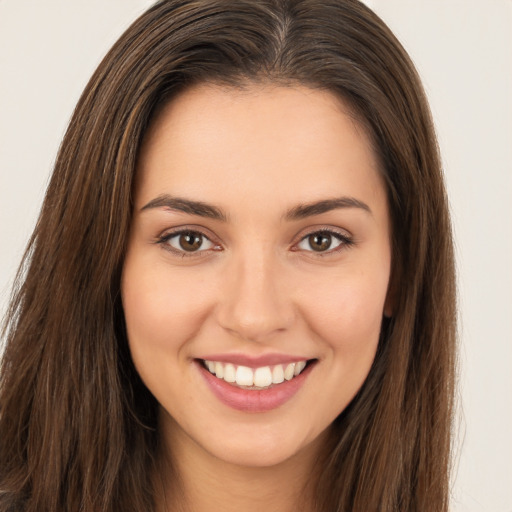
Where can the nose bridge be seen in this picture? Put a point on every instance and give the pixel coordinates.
(255, 303)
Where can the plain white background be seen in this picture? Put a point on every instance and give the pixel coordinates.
(463, 50)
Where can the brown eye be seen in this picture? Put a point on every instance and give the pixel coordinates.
(320, 241)
(189, 241)
(323, 241)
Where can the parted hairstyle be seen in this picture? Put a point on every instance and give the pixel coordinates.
(78, 428)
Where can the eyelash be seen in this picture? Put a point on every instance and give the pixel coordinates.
(164, 241)
(345, 242)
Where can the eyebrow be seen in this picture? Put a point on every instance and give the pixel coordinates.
(318, 207)
(298, 212)
(187, 206)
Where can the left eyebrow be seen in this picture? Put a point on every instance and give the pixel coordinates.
(316, 208)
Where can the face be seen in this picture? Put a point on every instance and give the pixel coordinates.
(257, 268)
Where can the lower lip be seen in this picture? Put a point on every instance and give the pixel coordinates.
(252, 400)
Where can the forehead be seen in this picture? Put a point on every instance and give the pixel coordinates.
(227, 143)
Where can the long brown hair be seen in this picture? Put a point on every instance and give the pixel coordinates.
(77, 426)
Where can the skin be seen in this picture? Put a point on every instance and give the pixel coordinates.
(257, 286)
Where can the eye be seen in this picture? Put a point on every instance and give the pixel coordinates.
(188, 241)
(324, 241)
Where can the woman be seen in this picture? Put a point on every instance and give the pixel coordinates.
(240, 291)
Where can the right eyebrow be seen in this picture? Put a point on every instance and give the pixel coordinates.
(187, 206)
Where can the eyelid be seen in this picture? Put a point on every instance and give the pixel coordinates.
(340, 234)
(166, 235)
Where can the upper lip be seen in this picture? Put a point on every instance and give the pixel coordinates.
(254, 361)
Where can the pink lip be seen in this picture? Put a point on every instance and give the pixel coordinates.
(254, 361)
(248, 400)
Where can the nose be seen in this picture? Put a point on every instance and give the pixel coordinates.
(256, 303)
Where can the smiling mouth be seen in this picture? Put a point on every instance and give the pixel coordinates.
(263, 377)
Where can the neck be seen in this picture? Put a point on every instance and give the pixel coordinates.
(200, 482)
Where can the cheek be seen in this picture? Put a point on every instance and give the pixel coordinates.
(162, 311)
(345, 320)
(346, 313)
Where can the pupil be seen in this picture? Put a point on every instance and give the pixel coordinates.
(320, 241)
(190, 241)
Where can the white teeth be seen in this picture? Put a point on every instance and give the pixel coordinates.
(219, 370)
(262, 377)
(299, 367)
(244, 376)
(229, 373)
(277, 374)
(289, 372)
